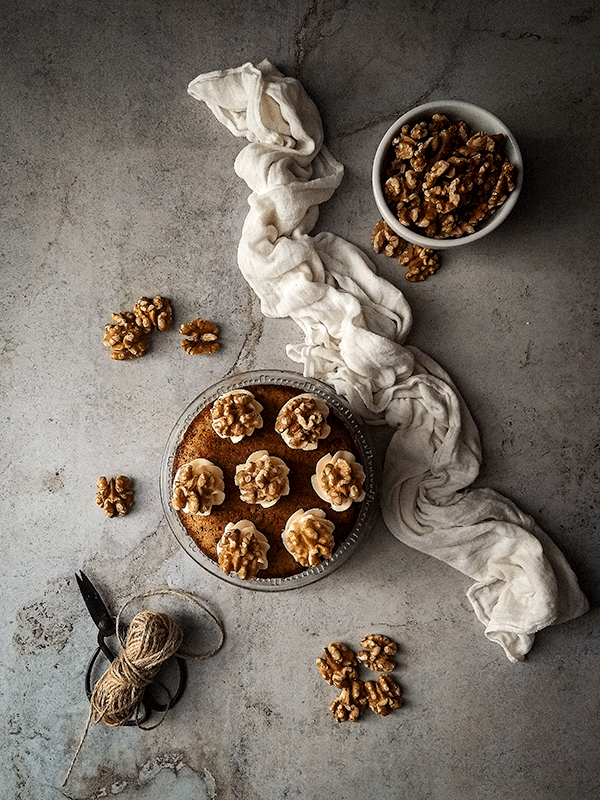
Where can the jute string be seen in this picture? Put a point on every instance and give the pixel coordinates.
(152, 638)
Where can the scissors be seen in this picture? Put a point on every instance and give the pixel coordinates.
(107, 627)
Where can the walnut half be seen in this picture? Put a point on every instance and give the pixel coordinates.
(262, 479)
(198, 486)
(420, 262)
(378, 652)
(236, 414)
(242, 549)
(125, 338)
(202, 337)
(384, 695)
(308, 536)
(337, 665)
(153, 314)
(115, 495)
(350, 704)
(385, 240)
(302, 422)
(339, 480)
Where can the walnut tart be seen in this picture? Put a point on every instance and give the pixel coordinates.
(247, 487)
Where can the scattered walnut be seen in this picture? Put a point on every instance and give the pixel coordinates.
(419, 261)
(202, 337)
(262, 479)
(125, 338)
(378, 651)
(153, 314)
(115, 495)
(236, 414)
(302, 422)
(384, 695)
(242, 549)
(337, 665)
(308, 536)
(197, 487)
(339, 480)
(387, 241)
(443, 179)
(351, 702)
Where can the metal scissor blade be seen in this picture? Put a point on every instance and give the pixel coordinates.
(95, 605)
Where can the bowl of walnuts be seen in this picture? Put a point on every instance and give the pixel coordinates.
(446, 173)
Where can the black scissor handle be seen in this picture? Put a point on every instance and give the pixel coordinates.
(148, 703)
(152, 703)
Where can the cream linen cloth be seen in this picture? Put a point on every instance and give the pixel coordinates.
(354, 326)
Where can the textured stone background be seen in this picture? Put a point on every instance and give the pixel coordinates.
(116, 184)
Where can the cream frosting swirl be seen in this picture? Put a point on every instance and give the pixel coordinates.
(197, 487)
(339, 480)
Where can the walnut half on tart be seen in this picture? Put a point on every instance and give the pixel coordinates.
(236, 414)
(339, 480)
(242, 549)
(197, 487)
(302, 422)
(308, 537)
(262, 479)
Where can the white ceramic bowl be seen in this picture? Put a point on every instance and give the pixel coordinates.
(478, 119)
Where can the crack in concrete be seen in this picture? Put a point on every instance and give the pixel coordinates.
(246, 357)
(318, 16)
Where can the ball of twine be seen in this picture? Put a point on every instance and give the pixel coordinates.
(152, 638)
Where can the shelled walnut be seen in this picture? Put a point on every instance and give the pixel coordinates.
(337, 665)
(153, 314)
(115, 495)
(302, 422)
(202, 337)
(308, 536)
(197, 487)
(242, 549)
(350, 703)
(444, 179)
(419, 261)
(236, 414)
(378, 652)
(385, 240)
(125, 338)
(384, 695)
(262, 479)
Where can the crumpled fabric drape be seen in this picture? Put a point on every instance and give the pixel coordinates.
(355, 324)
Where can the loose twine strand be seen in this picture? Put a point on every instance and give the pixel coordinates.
(152, 638)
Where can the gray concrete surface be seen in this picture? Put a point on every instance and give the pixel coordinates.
(115, 185)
